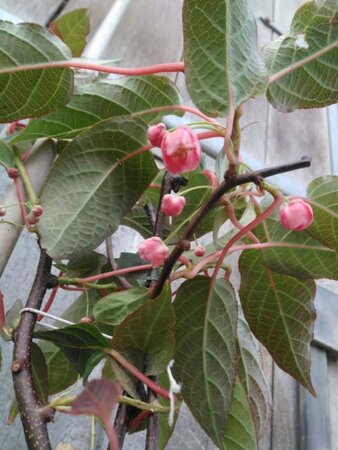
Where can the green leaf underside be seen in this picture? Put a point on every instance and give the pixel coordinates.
(252, 378)
(101, 100)
(315, 84)
(88, 192)
(114, 308)
(240, 431)
(82, 344)
(87, 265)
(222, 64)
(324, 191)
(145, 337)
(73, 29)
(280, 312)
(311, 259)
(36, 92)
(205, 357)
(6, 155)
(40, 373)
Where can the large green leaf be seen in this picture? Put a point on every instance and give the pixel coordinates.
(205, 360)
(88, 190)
(252, 378)
(115, 307)
(240, 430)
(314, 84)
(145, 337)
(324, 191)
(39, 373)
(34, 92)
(280, 313)
(101, 100)
(222, 63)
(6, 155)
(303, 257)
(73, 29)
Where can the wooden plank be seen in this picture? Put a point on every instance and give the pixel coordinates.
(315, 424)
(326, 326)
(333, 395)
(285, 411)
(32, 11)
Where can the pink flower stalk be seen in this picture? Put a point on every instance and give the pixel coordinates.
(172, 205)
(200, 251)
(153, 250)
(211, 177)
(181, 150)
(156, 134)
(297, 215)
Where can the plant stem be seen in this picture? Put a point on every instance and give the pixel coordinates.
(230, 181)
(121, 423)
(160, 216)
(153, 424)
(33, 198)
(33, 419)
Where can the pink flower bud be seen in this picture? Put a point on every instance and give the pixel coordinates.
(2, 211)
(181, 150)
(297, 215)
(156, 133)
(31, 219)
(12, 172)
(172, 205)
(153, 250)
(211, 177)
(37, 210)
(200, 251)
(86, 319)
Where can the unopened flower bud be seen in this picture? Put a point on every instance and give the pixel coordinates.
(297, 215)
(172, 205)
(200, 251)
(12, 172)
(156, 134)
(31, 219)
(153, 250)
(2, 211)
(37, 210)
(181, 150)
(86, 319)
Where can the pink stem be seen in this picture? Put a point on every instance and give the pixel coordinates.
(184, 108)
(136, 422)
(237, 223)
(114, 273)
(147, 70)
(138, 374)
(68, 288)
(27, 153)
(50, 301)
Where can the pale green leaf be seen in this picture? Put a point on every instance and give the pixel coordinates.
(89, 191)
(35, 92)
(205, 360)
(280, 312)
(39, 373)
(73, 29)
(302, 256)
(101, 100)
(315, 83)
(324, 191)
(222, 64)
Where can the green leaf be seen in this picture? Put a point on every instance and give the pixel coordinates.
(13, 412)
(313, 84)
(205, 360)
(83, 345)
(73, 29)
(240, 431)
(115, 307)
(6, 155)
(31, 93)
(61, 373)
(252, 379)
(86, 265)
(145, 337)
(40, 373)
(223, 67)
(101, 100)
(89, 191)
(303, 257)
(280, 313)
(324, 191)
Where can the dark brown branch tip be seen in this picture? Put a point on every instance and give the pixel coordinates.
(17, 365)
(47, 413)
(184, 244)
(52, 281)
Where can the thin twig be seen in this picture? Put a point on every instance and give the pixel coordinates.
(121, 423)
(123, 282)
(153, 424)
(33, 417)
(160, 216)
(228, 183)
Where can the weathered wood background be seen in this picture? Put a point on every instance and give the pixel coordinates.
(149, 31)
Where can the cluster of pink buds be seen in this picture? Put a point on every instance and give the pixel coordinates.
(296, 216)
(33, 216)
(181, 150)
(153, 250)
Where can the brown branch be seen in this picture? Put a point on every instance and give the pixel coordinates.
(153, 424)
(230, 181)
(33, 415)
